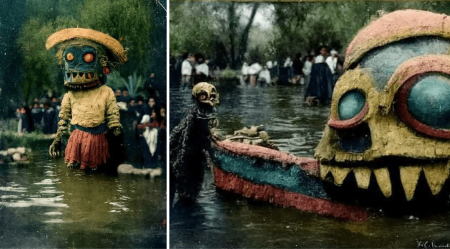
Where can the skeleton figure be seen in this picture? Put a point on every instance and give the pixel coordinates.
(90, 107)
(388, 134)
(190, 144)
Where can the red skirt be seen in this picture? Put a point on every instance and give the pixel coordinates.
(90, 150)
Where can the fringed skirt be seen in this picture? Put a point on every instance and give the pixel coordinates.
(90, 150)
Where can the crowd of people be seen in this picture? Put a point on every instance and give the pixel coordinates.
(194, 68)
(318, 74)
(149, 120)
(42, 116)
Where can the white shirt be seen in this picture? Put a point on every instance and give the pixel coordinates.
(254, 69)
(332, 63)
(265, 74)
(307, 68)
(245, 68)
(202, 68)
(319, 59)
(186, 68)
(288, 62)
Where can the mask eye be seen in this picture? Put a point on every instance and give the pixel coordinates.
(423, 104)
(351, 109)
(88, 57)
(69, 57)
(350, 104)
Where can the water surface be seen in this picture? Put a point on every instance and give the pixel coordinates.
(221, 220)
(45, 205)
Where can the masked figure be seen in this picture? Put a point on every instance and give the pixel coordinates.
(190, 144)
(389, 127)
(89, 106)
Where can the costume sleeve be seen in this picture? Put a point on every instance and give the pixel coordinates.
(112, 111)
(66, 108)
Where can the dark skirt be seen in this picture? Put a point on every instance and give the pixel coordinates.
(321, 83)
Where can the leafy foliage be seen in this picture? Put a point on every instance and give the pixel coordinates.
(217, 30)
(129, 21)
(302, 27)
(134, 85)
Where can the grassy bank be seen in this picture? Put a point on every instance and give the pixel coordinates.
(10, 139)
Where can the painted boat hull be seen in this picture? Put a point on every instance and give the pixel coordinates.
(279, 178)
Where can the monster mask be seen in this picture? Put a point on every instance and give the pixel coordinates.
(86, 56)
(207, 98)
(206, 94)
(389, 125)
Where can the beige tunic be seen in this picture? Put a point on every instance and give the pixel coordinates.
(91, 108)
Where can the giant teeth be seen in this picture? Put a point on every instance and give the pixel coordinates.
(384, 181)
(339, 174)
(409, 177)
(436, 176)
(324, 171)
(362, 176)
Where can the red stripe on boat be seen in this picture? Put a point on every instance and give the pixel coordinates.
(267, 193)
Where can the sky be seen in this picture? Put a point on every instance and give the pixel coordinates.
(263, 16)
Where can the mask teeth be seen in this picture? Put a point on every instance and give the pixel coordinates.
(324, 169)
(409, 177)
(339, 174)
(82, 76)
(362, 176)
(436, 176)
(384, 181)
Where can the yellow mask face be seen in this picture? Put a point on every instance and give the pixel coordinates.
(389, 119)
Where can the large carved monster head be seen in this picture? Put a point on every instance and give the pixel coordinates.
(389, 122)
(86, 55)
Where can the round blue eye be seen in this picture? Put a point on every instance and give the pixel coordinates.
(350, 104)
(429, 101)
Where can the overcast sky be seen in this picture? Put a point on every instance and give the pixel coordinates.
(263, 16)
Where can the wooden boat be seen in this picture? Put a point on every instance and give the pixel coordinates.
(279, 178)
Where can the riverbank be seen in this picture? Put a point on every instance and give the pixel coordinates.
(9, 139)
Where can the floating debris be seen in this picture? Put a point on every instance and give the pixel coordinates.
(129, 169)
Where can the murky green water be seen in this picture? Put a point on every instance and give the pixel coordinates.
(221, 220)
(46, 205)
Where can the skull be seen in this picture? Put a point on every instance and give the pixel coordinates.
(388, 134)
(206, 93)
(82, 62)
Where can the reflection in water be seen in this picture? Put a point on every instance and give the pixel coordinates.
(44, 204)
(220, 220)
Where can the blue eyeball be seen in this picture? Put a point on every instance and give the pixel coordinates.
(429, 101)
(350, 104)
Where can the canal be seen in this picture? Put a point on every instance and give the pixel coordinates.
(45, 205)
(221, 220)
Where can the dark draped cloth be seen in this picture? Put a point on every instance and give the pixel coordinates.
(285, 75)
(50, 121)
(27, 123)
(321, 83)
(37, 113)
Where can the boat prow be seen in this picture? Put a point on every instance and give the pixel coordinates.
(279, 178)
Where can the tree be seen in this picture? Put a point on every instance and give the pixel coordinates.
(217, 30)
(128, 21)
(302, 27)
